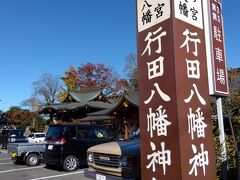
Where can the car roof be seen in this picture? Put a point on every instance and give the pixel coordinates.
(13, 130)
(86, 125)
(39, 133)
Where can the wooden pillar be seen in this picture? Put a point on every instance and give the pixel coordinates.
(125, 130)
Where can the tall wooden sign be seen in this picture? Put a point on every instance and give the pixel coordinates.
(175, 118)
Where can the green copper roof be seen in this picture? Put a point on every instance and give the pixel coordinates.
(87, 100)
(62, 106)
(75, 105)
(132, 97)
(86, 96)
(96, 118)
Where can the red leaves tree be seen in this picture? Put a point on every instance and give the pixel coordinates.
(91, 76)
(20, 118)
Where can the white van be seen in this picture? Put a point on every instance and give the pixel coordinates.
(36, 137)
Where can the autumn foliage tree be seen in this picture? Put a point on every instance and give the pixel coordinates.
(20, 118)
(231, 104)
(231, 110)
(71, 78)
(90, 76)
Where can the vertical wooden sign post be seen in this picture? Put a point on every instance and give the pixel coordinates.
(217, 68)
(175, 117)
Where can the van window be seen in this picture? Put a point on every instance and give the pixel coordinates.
(54, 133)
(40, 135)
(17, 133)
(102, 134)
(81, 133)
(72, 131)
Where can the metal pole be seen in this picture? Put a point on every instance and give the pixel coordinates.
(222, 139)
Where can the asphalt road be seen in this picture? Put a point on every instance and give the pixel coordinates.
(11, 171)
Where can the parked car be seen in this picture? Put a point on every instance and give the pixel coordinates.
(12, 136)
(115, 160)
(30, 153)
(36, 137)
(66, 145)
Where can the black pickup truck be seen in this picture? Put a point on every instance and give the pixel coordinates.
(115, 160)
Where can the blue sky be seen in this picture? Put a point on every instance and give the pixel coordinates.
(47, 36)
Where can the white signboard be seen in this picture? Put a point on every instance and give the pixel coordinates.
(152, 12)
(189, 11)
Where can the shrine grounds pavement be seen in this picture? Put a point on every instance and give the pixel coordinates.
(11, 171)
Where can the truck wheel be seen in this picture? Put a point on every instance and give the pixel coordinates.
(18, 160)
(70, 163)
(32, 160)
